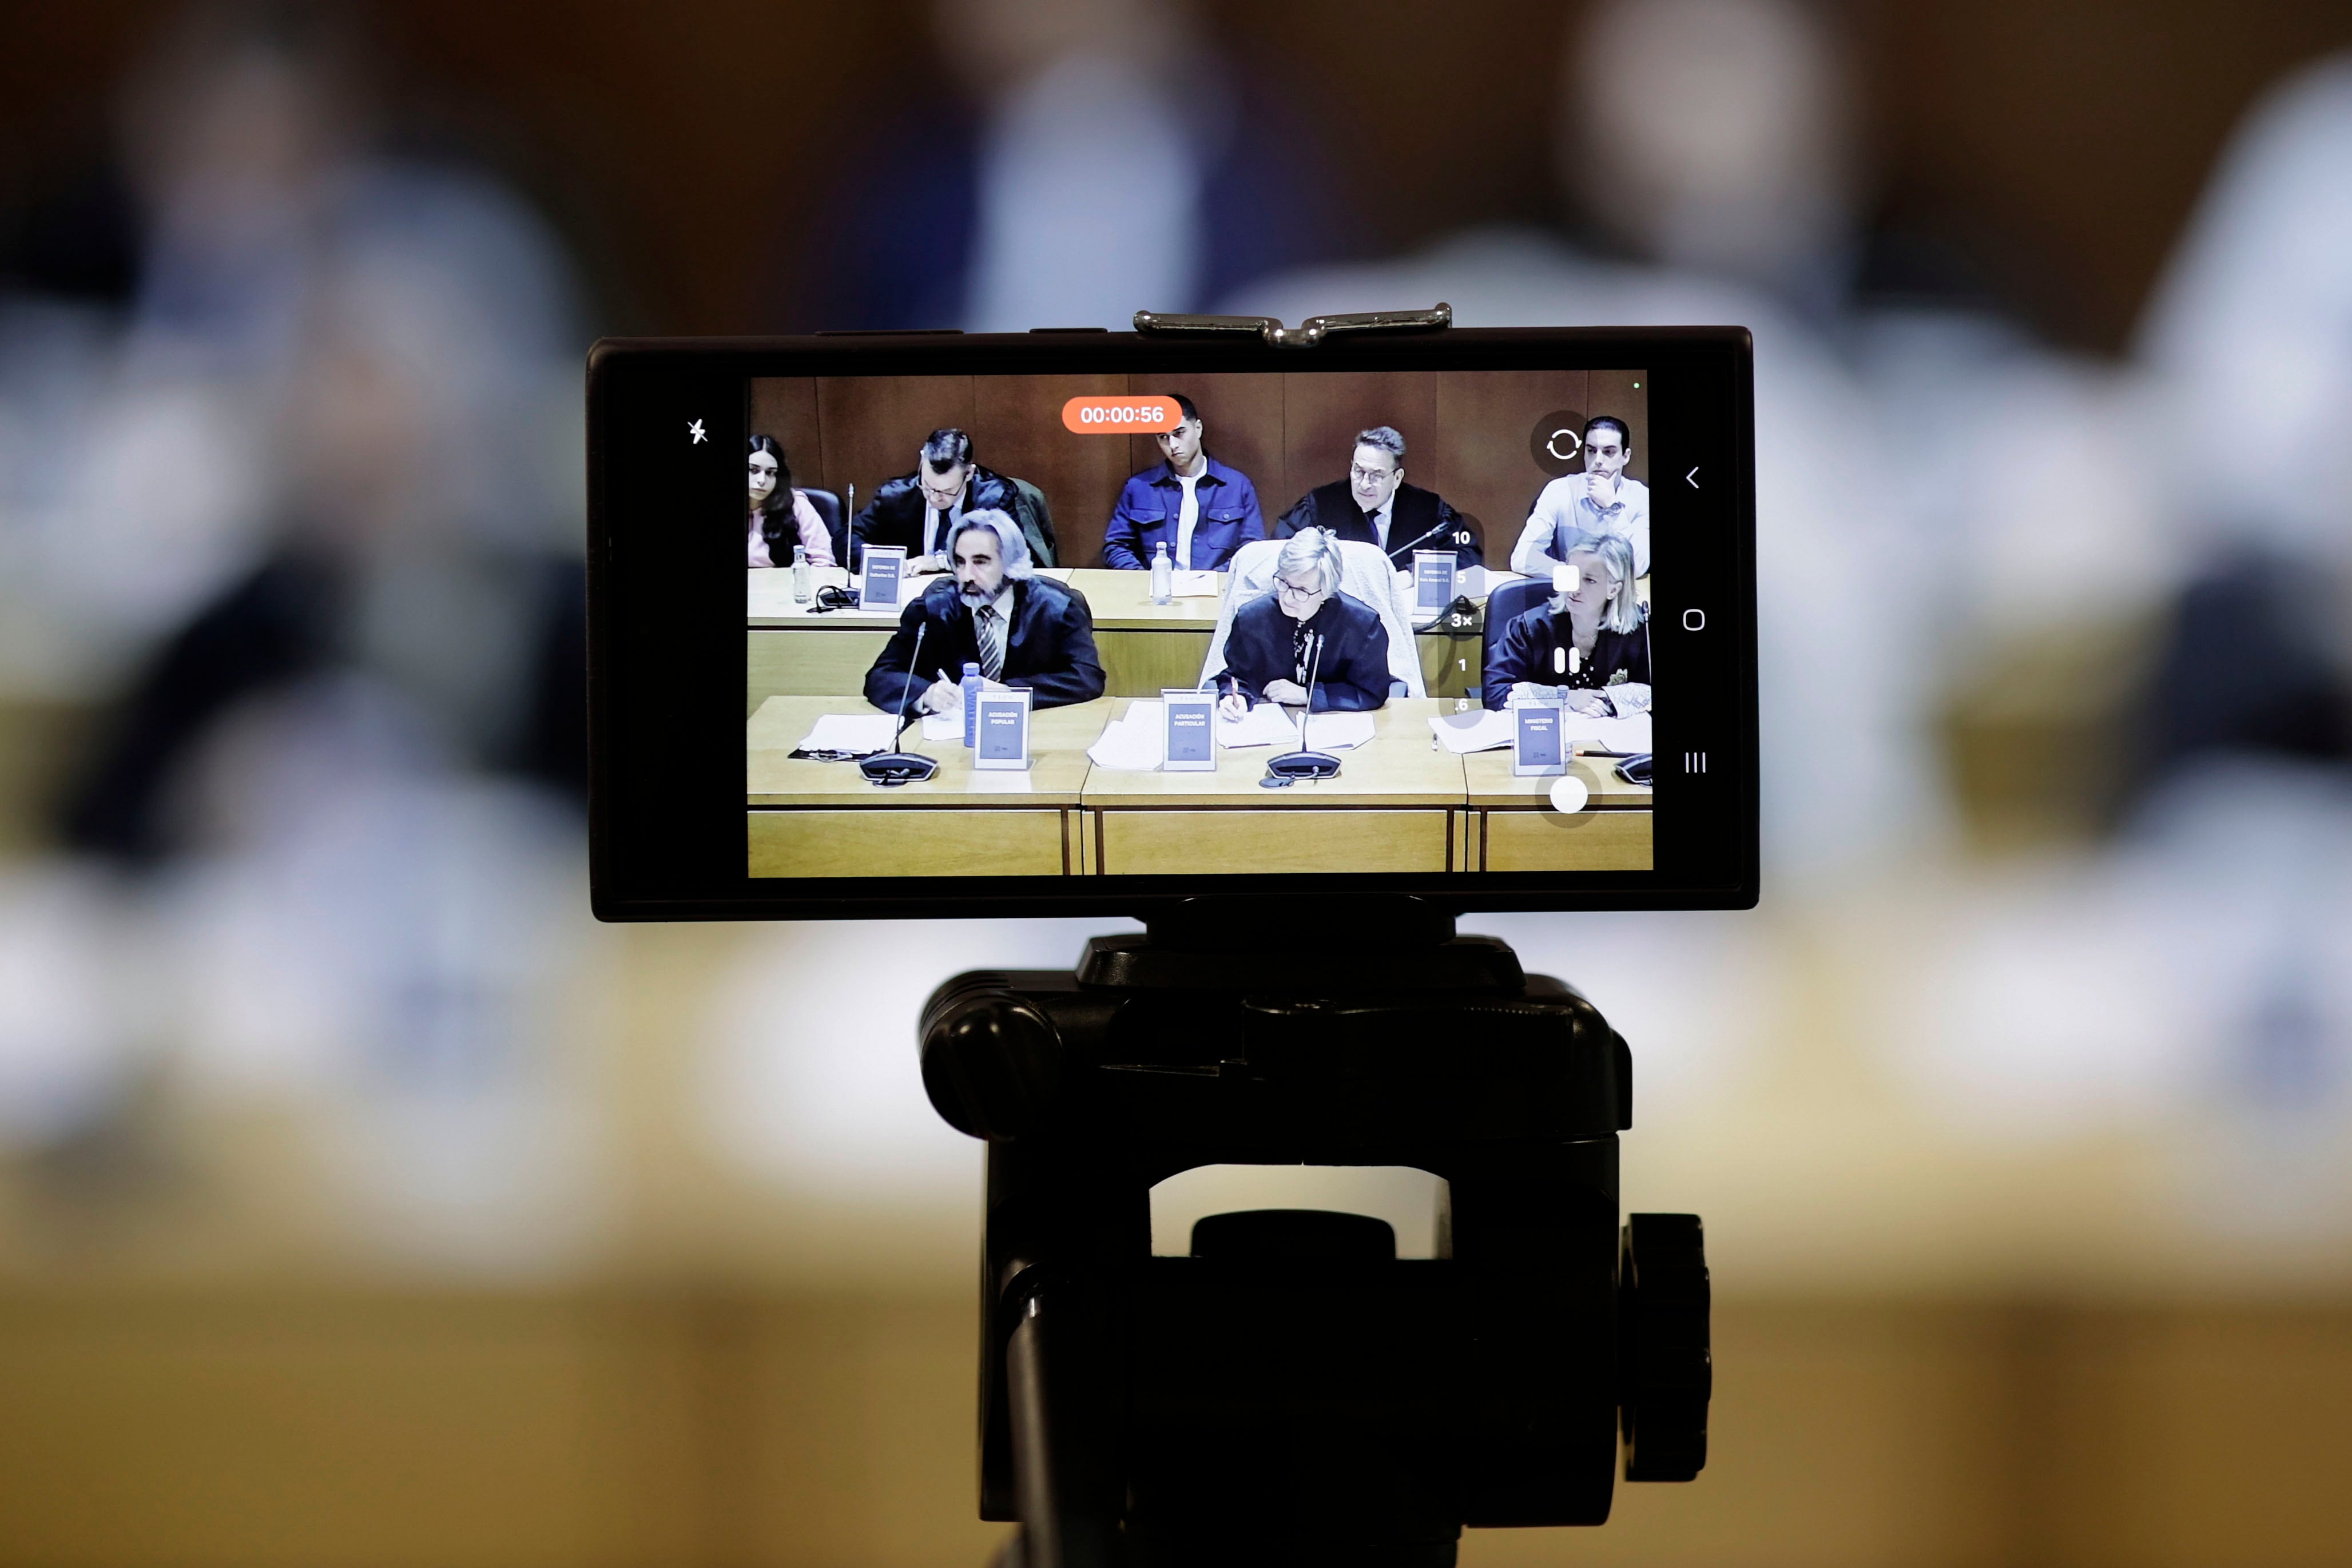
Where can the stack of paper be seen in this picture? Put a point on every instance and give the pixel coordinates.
(1197, 585)
(1481, 729)
(1265, 725)
(943, 726)
(851, 734)
(1269, 724)
(1137, 741)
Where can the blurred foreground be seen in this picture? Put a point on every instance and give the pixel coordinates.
(360, 1200)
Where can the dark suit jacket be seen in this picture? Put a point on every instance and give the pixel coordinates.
(897, 513)
(1354, 673)
(1525, 653)
(1051, 650)
(1418, 514)
(285, 623)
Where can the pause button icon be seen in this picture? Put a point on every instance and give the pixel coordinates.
(1693, 761)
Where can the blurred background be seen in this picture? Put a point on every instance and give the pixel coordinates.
(363, 1202)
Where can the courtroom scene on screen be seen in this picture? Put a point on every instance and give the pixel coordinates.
(1236, 623)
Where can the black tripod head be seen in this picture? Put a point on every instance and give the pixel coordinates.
(1293, 1392)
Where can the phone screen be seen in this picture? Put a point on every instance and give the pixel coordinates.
(1272, 538)
(1075, 631)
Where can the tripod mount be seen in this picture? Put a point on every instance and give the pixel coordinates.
(1293, 1392)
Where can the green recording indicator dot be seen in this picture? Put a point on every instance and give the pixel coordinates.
(1637, 386)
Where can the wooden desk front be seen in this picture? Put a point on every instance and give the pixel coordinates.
(1398, 805)
(1513, 827)
(824, 819)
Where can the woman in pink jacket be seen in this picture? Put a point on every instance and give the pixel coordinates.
(780, 516)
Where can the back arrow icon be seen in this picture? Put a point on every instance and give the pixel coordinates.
(1691, 478)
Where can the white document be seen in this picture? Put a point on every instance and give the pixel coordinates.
(1480, 729)
(943, 726)
(1265, 725)
(1602, 733)
(858, 734)
(1270, 724)
(1196, 585)
(1136, 742)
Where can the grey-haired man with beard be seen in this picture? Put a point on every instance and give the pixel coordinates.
(1021, 629)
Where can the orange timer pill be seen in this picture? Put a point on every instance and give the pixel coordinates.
(1121, 415)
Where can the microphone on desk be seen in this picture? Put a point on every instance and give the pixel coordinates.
(1408, 544)
(1292, 765)
(893, 768)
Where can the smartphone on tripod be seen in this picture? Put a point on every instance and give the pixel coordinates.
(1059, 529)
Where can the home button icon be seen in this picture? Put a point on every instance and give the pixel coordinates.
(1694, 620)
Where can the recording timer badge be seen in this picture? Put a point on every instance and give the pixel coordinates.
(1121, 415)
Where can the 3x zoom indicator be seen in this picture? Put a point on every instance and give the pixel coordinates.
(1121, 415)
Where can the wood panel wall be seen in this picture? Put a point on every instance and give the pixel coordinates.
(1466, 434)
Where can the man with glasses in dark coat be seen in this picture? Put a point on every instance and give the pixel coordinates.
(1374, 505)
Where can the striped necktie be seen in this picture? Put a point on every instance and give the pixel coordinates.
(992, 641)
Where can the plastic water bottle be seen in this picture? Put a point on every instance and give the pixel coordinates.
(802, 590)
(972, 683)
(1163, 575)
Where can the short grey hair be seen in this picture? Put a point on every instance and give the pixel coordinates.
(1010, 545)
(1384, 438)
(1314, 548)
(1623, 612)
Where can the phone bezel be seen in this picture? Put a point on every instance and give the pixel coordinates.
(666, 672)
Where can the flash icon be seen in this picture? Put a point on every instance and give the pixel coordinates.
(694, 429)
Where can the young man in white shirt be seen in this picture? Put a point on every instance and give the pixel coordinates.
(1600, 500)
